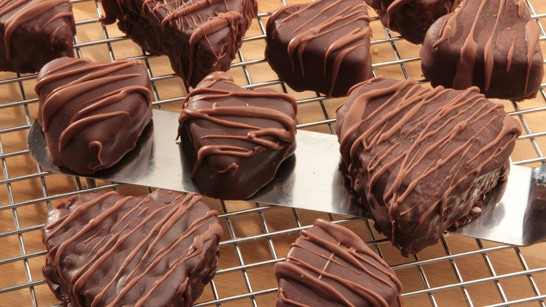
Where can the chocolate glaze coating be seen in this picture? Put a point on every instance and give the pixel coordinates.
(155, 250)
(411, 18)
(235, 139)
(322, 46)
(490, 44)
(198, 36)
(329, 265)
(92, 114)
(422, 158)
(34, 32)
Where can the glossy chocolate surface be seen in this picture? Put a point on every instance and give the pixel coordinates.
(490, 44)
(92, 114)
(198, 36)
(411, 18)
(322, 46)
(34, 32)
(421, 159)
(235, 139)
(109, 250)
(329, 265)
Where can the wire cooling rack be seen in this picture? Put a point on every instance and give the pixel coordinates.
(454, 272)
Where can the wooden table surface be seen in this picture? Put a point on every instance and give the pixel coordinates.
(457, 271)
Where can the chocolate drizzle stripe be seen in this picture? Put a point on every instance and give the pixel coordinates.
(187, 9)
(295, 271)
(247, 111)
(464, 74)
(62, 222)
(84, 123)
(532, 34)
(488, 56)
(80, 66)
(57, 99)
(111, 98)
(209, 93)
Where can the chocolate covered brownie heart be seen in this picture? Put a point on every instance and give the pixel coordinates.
(92, 114)
(235, 139)
(199, 37)
(329, 265)
(421, 159)
(109, 250)
(34, 32)
(322, 46)
(492, 44)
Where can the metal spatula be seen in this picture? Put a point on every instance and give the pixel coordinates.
(311, 180)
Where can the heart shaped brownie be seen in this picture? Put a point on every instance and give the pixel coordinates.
(411, 18)
(322, 46)
(421, 159)
(492, 44)
(199, 37)
(329, 265)
(33, 33)
(110, 250)
(92, 114)
(235, 139)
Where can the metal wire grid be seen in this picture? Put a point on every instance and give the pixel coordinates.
(258, 236)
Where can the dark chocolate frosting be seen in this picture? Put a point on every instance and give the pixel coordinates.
(198, 36)
(235, 139)
(322, 46)
(329, 265)
(490, 44)
(110, 250)
(33, 33)
(422, 158)
(411, 18)
(92, 114)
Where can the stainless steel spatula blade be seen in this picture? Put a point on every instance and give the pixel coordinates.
(309, 180)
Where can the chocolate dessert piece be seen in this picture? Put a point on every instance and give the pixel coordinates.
(92, 114)
(110, 250)
(34, 32)
(329, 265)
(421, 159)
(411, 18)
(322, 46)
(199, 37)
(492, 44)
(235, 139)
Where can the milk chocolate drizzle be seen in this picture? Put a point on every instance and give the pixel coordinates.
(195, 22)
(507, 24)
(339, 21)
(110, 250)
(223, 114)
(24, 11)
(444, 126)
(358, 270)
